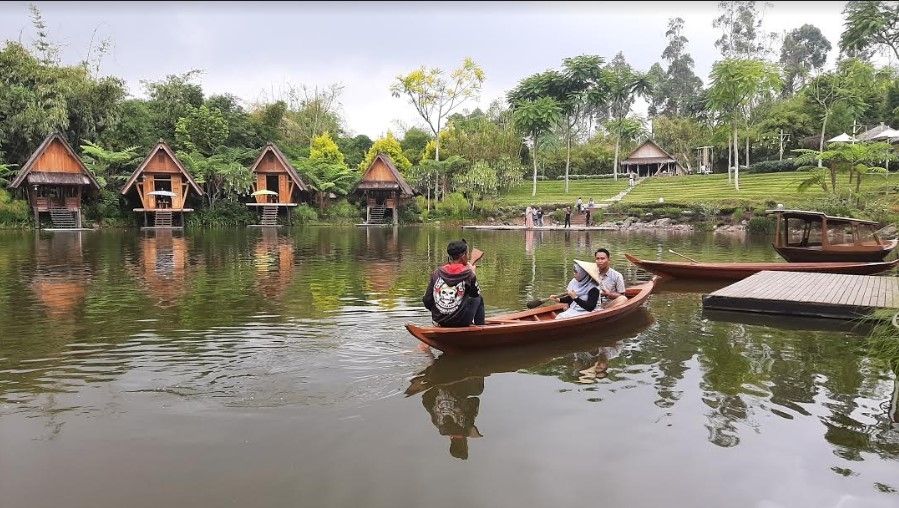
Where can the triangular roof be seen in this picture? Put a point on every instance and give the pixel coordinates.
(29, 165)
(870, 133)
(400, 184)
(164, 147)
(294, 175)
(842, 138)
(650, 152)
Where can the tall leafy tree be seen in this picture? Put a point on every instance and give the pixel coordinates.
(436, 96)
(311, 110)
(736, 86)
(535, 118)
(843, 86)
(171, 99)
(625, 85)
(109, 167)
(870, 26)
(804, 50)
(676, 93)
(742, 35)
(413, 143)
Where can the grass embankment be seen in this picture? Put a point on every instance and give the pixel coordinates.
(756, 190)
(552, 192)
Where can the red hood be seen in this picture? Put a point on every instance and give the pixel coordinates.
(453, 268)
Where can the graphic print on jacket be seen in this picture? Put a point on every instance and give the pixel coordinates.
(448, 298)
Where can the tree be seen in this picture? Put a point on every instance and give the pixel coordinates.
(202, 130)
(675, 94)
(870, 26)
(804, 50)
(854, 159)
(840, 87)
(108, 166)
(37, 99)
(413, 143)
(680, 135)
(354, 148)
(741, 26)
(326, 176)
(171, 99)
(625, 85)
(324, 148)
(736, 85)
(535, 118)
(435, 97)
(390, 146)
(225, 173)
(310, 112)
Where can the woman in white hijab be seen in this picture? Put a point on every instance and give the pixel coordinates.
(583, 292)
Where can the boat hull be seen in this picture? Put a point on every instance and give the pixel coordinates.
(738, 271)
(526, 327)
(837, 253)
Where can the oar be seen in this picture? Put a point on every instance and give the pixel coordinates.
(681, 255)
(533, 304)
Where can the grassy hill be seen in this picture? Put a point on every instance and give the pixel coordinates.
(754, 188)
(552, 192)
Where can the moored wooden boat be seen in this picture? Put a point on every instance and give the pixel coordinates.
(813, 237)
(738, 271)
(529, 326)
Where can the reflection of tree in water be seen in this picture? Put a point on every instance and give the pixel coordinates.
(453, 408)
(726, 371)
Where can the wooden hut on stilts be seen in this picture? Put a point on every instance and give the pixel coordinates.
(55, 180)
(163, 185)
(384, 190)
(277, 185)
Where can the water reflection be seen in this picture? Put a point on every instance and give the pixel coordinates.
(61, 277)
(273, 258)
(162, 267)
(306, 324)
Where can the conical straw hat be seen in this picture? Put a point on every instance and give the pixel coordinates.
(590, 268)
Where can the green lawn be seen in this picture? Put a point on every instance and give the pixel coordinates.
(754, 188)
(552, 192)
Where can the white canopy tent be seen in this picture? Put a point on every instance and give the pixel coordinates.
(842, 138)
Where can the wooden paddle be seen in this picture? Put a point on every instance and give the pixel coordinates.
(533, 304)
(476, 254)
(681, 255)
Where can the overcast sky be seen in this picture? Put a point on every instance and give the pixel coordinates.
(251, 49)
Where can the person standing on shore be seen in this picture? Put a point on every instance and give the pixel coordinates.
(567, 216)
(529, 217)
(579, 205)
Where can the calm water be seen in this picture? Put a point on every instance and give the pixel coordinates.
(251, 368)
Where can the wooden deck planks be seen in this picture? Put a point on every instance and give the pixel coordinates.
(808, 294)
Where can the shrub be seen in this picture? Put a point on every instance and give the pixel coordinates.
(760, 225)
(772, 166)
(343, 209)
(13, 212)
(109, 209)
(225, 213)
(305, 214)
(453, 205)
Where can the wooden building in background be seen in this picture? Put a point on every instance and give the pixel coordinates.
(649, 159)
(276, 185)
(384, 190)
(162, 185)
(55, 180)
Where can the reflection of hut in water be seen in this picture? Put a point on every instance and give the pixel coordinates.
(60, 280)
(273, 259)
(162, 267)
(383, 259)
(163, 185)
(55, 179)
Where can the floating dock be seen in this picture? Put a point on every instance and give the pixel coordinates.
(824, 295)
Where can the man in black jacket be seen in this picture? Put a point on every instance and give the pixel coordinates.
(453, 295)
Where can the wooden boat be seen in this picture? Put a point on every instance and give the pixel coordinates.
(802, 236)
(738, 271)
(529, 326)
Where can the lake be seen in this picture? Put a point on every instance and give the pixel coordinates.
(271, 368)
